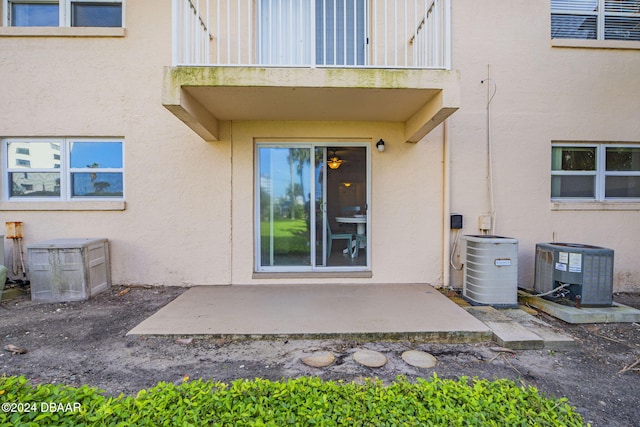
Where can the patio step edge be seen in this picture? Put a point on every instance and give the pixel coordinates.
(442, 337)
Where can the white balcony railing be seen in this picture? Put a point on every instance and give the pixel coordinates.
(312, 33)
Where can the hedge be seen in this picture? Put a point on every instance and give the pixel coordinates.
(305, 401)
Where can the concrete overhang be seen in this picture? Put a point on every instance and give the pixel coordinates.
(203, 96)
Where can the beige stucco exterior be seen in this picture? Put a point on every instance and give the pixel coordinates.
(544, 94)
(188, 213)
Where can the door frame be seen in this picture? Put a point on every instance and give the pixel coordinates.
(311, 145)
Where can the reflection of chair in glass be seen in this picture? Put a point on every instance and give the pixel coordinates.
(337, 236)
(359, 238)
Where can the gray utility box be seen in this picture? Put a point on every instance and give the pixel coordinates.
(68, 269)
(491, 271)
(585, 271)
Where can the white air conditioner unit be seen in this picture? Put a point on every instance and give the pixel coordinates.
(574, 273)
(491, 271)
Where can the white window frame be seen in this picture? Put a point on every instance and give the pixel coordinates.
(65, 170)
(601, 14)
(600, 173)
(65, 7)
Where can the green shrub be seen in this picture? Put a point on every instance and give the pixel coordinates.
(302, 401)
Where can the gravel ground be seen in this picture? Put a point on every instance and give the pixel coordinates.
(85, 343)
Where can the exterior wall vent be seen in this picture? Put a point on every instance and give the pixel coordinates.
(574, 273)
(491, 271)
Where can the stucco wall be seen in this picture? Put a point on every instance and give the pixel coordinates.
(542, 94)
(176, 226)
(189, 204)
(180, 225)
(406, 208)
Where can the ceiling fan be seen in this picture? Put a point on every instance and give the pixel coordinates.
(333, 161)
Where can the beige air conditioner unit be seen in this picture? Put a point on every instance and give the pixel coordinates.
(491, 271)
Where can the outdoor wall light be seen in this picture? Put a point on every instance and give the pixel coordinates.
(380, 145)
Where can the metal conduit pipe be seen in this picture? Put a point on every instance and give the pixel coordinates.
(446, 205)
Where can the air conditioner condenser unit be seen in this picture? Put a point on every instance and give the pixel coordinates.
(574, 274)
(491, 270)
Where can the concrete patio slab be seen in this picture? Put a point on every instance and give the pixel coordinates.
(394, 311)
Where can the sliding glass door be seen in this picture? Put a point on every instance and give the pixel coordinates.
(311, 206)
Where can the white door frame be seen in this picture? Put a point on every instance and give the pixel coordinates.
(312, 145)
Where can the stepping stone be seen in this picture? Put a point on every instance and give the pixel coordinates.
(370, 358)
(419, 359)
(319, 359)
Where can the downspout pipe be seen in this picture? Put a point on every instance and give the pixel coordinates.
(446, 204)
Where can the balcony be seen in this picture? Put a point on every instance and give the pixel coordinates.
(362, 60)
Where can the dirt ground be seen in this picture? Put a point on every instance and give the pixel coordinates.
(85, 343)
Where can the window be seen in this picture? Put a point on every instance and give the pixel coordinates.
(596, 172)
(595, 19)
(33, 14)
(63, 169)
(64, 13)
(96, 14)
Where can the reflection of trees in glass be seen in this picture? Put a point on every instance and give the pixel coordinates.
(96, 184)
(298, 157)
(93, 177)
(623, 159)
(100, 186)
(576, 159)
(265, 200)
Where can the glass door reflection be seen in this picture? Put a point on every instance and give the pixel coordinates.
(300, 195)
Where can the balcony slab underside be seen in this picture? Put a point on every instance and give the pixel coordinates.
(203, 96)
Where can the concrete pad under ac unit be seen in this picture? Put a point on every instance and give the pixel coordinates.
(617, 313)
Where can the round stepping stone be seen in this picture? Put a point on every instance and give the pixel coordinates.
(419, 359)
(319, 359)
(370, 358)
